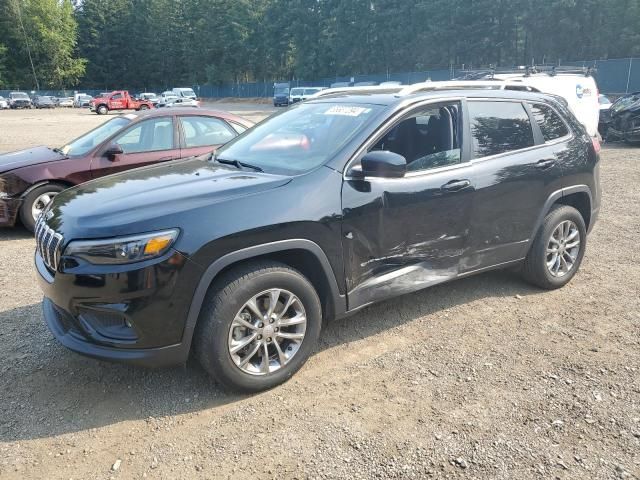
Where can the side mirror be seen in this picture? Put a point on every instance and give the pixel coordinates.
(112, 151)
(384, 164)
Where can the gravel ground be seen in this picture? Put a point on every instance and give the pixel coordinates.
(27, 128)
(485, 377)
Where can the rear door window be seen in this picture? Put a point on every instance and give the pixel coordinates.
(499, 127)
(550, 123)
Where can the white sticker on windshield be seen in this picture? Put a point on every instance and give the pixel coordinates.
(347, 111)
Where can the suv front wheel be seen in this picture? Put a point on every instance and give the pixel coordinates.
(557, 250)
(258, 326)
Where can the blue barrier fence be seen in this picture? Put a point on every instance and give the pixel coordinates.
(614, 77)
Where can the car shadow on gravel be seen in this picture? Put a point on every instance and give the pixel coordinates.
(14, 233)
(49, 391)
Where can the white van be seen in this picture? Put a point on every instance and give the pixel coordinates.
(184, 93)
(295, 95)
(576, 86)
(300, 94)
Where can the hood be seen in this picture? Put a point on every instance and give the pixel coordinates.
(152, 198)
(27, 157)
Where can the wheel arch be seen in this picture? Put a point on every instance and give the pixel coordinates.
(577, 196)
(581, 201)
(54, 181)
(304, 255)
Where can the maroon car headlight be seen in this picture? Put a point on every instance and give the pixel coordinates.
(11, 185)
(130, 249)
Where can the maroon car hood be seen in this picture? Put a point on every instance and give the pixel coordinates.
(29, 156)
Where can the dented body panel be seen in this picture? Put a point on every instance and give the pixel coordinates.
(404, 235)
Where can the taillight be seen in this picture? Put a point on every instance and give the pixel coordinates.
(596, 144)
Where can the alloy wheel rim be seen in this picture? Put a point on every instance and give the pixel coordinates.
(41, 203)
(563, 249)
(267, 332)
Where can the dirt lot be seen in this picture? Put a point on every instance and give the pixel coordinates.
(485, 377)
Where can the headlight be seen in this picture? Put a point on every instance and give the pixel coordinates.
(123, 249)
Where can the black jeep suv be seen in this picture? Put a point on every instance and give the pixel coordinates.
(327, 207)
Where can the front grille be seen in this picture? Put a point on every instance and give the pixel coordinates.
(48, 244)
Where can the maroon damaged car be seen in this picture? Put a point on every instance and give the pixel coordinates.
(30, 178)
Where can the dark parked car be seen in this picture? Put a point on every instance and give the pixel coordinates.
(30, 178)
(330, 206)
(43, 101)
(624, 119)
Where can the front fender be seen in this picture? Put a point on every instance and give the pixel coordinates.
(210, 274)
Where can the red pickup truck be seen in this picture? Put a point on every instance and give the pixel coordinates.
(118, 100)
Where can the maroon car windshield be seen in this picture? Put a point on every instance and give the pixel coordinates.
(95, 137)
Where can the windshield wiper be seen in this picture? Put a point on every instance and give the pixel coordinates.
(58, 150)
(238, 164)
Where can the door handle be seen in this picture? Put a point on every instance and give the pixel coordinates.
(546, 163)
(455, 185)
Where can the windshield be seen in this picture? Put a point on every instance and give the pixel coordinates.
(95, 137)
(625, 102)
(281, 91)
(299, 139)
(19, 95)
(296, 91)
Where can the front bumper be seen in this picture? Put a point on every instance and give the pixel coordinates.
(128, 313)
(60, 324)
(9, 208)
(631, 135)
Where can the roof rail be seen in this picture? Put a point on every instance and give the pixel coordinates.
(488, 84)
(526, 71)
(368, 89)
(429, 86)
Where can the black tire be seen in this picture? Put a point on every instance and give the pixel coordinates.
(102, 110)
(25, 210)
(535, 269)
(223, 302)
(144, 107)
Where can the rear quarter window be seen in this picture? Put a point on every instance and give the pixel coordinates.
(550, 123)
(499, 127)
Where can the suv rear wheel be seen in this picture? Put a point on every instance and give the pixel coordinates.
(557, 250)
(259, 325)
